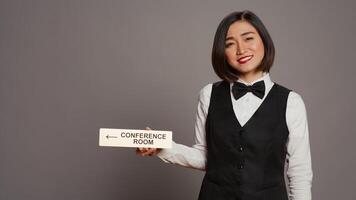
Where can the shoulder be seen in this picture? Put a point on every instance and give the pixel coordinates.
(296, 113)
(295, 101)
(204, 99)
(205, 91)
(282, 88)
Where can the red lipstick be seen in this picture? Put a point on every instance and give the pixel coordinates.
(244, 59)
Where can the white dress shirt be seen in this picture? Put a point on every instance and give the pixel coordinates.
(298, 158)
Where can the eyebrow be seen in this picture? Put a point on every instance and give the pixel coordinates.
(231, 37)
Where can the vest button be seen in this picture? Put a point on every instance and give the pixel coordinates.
(241, 131)
(241, 149)
(241, 164)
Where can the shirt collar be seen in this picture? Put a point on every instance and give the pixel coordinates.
(265, 77)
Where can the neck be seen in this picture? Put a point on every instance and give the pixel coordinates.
(251, 76)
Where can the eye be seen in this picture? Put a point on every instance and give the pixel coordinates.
(249, 38)
(228, 44)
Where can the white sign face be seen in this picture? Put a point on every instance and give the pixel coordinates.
(135, 138)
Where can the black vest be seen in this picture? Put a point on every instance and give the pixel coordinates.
(245, 162)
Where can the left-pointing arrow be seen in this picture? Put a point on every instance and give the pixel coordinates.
(108, 136)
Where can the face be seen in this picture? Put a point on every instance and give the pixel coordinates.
(244, 49)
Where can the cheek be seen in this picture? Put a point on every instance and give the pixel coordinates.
(258, 47)
(261, 50)
(229, 53)
(255, 46)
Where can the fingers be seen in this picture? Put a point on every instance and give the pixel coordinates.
(146, 151)
(150, 152)
(141, 150)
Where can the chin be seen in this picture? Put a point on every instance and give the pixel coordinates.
(245, 69)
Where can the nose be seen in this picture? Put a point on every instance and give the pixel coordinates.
(240, 49)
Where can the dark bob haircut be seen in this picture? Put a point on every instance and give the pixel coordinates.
(220, 65)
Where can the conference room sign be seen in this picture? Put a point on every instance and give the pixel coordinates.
(111, 137)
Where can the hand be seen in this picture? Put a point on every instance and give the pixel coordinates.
(147, 151)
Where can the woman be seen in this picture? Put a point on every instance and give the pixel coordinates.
(247, 127)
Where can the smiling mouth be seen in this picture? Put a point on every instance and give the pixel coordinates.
(244, 59)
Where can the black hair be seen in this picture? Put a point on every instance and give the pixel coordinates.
(220, 65)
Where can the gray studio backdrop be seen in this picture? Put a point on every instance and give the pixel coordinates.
(68, 68)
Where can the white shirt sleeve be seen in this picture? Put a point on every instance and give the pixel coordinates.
(299, 170)
(195, 156)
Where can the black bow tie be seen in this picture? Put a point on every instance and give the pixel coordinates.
(240, 89)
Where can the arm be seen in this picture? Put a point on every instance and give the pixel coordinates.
(299, 171)
(195, 156)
